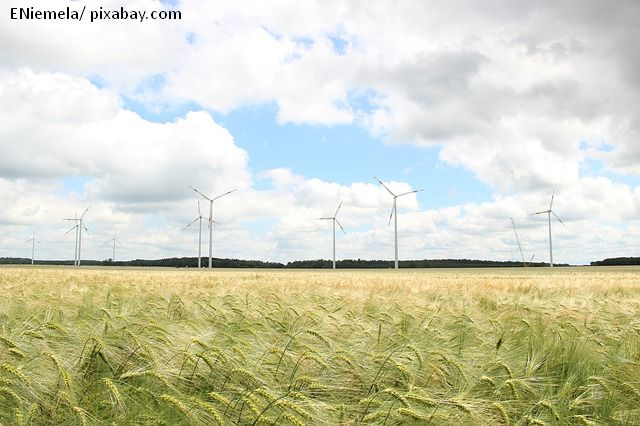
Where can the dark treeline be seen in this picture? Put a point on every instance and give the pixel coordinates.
(175, 262)
(615, 261)
(425, 263)
(192, 262)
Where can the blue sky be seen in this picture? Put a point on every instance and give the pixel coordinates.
(488, 108)
(341, 153)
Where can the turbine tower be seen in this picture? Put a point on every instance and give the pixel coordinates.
(394, 214)
(518, 240)
(79, 225)
(334, 221)
(33, 246)
(199, 218)
(211, 200)
(550, 212)
(75, 247)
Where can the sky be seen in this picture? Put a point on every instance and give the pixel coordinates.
(488, 106)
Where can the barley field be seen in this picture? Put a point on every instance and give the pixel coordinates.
(257, 347)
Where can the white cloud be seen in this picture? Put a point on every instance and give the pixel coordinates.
(58, 126)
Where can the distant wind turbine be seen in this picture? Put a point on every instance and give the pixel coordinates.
(199, 219)
(79, 226)
(518, 241)
(334, 221)
(33, 246)
(394, 214)
(550, 212)
(113, 258)
(75, 247)
(211, 200)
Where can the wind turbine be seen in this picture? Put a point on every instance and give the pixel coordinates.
(518, 240)
(394, 214)
(211, 200)
(550, 212)
(79, 225)
(199, 218)
(334, 221)
(33, 246)
(113, 258)
(75, 247)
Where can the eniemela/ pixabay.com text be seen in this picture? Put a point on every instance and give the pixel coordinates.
(68, 13)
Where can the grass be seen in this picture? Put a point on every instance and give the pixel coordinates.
(517, 347)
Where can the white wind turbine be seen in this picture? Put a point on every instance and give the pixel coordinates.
(334, 221)
(550, 212)
(518, 241)
(79, 225)
(211, 200)
(75, 247)
(33, 246)
(199, 219)
(394, 214)
(113, 258)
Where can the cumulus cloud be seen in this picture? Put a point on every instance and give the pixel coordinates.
(57, 126)
(440, 72)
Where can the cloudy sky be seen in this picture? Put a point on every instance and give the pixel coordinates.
(489, 106)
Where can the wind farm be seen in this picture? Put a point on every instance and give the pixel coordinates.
(79, 228)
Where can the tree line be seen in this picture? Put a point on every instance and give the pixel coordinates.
(617, 261)
(192, 262)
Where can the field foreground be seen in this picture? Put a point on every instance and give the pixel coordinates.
(516, 346)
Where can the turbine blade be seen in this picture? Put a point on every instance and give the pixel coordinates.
(192, 222)
(340, 226)
(85, 228)
(72, 228)
(544, 211)
(410, 192)
(558, 217)
(324, 218)
(85, 212)
(551, 203)
(199, 212)
(392, 209)
(338, 209)
(385, 186)
(201, 194)
(226, 193)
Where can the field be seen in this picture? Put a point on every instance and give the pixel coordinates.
(517, 346)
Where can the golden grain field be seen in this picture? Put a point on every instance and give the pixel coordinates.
(491, 346)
